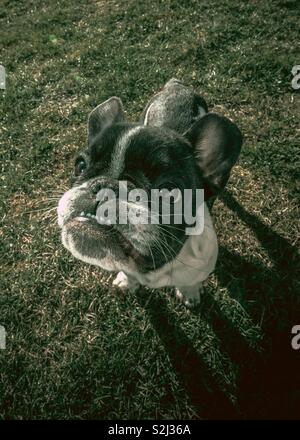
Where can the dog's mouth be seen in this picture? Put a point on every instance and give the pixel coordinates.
(112, 246)
(84, 216)
(97, 240)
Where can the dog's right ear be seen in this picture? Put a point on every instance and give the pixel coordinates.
(105, 114)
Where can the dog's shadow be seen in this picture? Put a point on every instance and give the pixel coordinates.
(268, 384)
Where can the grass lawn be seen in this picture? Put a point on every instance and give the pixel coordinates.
(75, 349)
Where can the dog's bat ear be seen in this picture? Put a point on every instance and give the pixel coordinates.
(105, 114)
(217, 144)
(176, 107)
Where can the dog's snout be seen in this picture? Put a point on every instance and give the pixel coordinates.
(95, 187)
(103, 184)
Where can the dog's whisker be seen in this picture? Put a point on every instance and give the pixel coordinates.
(162, 245)
(151, 256)
(39, 210)
(175, 257)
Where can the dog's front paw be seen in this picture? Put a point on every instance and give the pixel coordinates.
(124, 282)
(190, 296)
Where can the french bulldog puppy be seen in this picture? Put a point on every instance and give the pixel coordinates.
(177, 145)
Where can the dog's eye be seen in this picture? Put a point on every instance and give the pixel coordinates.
(80, 166)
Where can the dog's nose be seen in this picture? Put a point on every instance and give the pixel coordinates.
(95, 187)
(102, 184)
(99, 184)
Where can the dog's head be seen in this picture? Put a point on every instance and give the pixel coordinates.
(148, 158)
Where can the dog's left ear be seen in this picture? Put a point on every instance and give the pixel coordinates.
(107, 113)
(217, 144)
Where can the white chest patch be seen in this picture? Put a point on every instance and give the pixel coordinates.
(194, 263)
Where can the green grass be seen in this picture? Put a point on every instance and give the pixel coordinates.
(75, 349)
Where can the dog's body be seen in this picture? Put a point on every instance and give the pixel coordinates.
(176, 145)
(194, 263)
